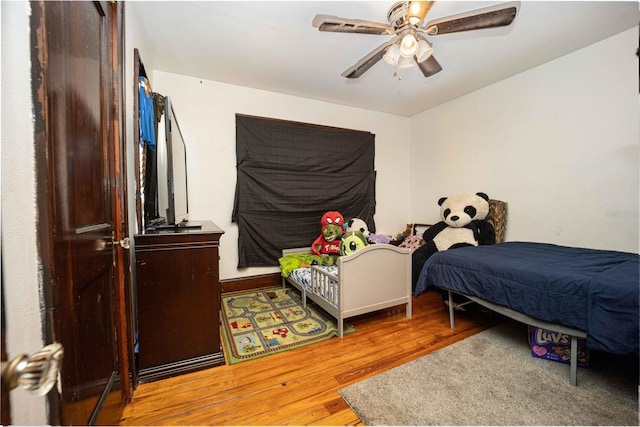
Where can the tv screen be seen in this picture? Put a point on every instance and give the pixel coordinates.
(172, 168)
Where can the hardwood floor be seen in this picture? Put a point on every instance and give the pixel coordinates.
(300, 387)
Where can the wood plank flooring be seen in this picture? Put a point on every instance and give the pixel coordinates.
(300, 387)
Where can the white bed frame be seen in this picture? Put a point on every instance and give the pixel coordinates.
(375, 277)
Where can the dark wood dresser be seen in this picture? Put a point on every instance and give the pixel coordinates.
(178, 300)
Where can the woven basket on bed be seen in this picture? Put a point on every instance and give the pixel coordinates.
(497, 217)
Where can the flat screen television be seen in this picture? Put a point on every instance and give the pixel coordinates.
(172, 169)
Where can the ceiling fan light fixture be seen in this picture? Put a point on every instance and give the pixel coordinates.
(406, 62)
(408, 45)
(425, 50)
(393, 54)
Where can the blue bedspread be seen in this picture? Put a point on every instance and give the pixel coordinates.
(595, 291)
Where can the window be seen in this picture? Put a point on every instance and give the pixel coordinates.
(288, 175)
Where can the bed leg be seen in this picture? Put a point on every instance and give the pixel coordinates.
(340, 327)
(451, 315)
(574, 361)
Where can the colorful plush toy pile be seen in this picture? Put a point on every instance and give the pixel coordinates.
(339, 238)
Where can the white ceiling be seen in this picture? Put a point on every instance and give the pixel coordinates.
(271, 45)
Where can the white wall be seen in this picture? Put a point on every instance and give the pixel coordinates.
(206, 113)
(19, 249)
(559, 143)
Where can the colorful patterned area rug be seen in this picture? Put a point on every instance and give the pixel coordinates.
(267, 321)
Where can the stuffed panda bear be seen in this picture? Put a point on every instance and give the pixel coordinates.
(463, 224)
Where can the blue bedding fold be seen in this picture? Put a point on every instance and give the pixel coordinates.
(593, 290)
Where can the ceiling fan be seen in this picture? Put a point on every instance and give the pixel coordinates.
(406, 22)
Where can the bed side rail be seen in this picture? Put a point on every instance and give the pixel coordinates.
(325, 285)
(528, 320)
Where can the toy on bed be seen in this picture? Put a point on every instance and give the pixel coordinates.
(463, 224)
(356, 224)
(379, 238)
(327, 244)
(351, 242)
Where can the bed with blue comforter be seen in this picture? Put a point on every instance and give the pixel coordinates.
(595, 291)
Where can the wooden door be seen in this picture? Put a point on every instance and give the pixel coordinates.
(5, 414)
(81, 198)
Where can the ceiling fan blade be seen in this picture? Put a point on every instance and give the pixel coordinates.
(336, 24)
(429, 66)
(368, 61)
(494, 16)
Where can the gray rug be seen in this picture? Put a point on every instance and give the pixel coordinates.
(492, 379)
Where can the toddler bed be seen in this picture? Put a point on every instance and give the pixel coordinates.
(375, 277)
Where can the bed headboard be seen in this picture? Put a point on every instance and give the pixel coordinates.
(497, 217)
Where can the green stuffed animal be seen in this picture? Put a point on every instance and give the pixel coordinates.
(351, 242)
(329, 260)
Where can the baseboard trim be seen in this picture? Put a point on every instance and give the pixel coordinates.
(250, 282)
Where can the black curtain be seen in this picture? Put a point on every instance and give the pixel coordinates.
(288, 175)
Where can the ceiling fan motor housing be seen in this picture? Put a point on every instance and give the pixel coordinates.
(397, 14)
